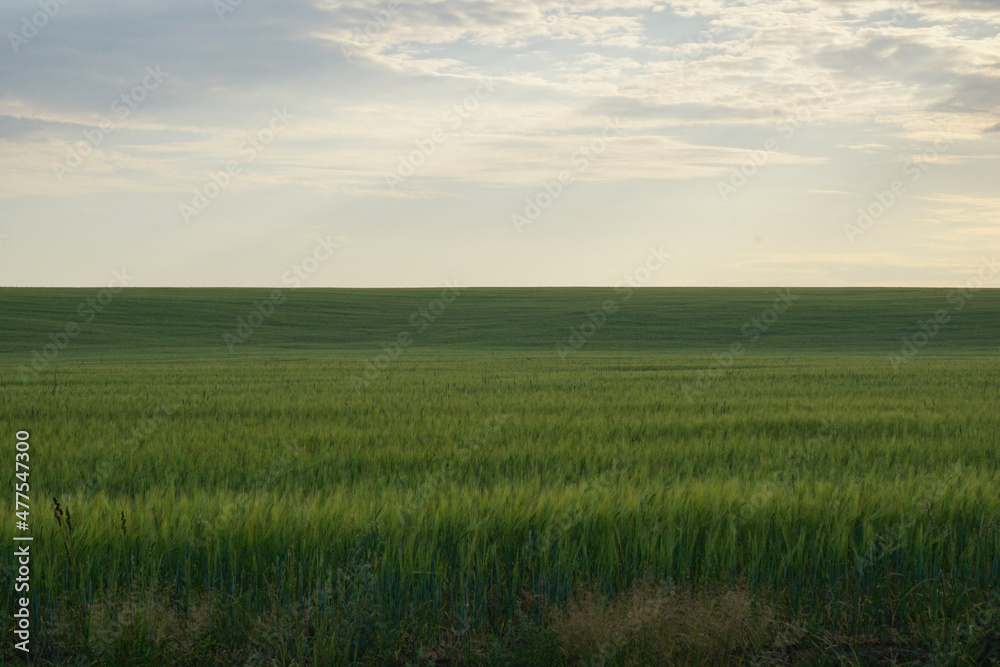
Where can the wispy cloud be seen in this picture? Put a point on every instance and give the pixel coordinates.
(696, 84)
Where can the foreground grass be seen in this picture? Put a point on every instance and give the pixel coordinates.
(509, 507)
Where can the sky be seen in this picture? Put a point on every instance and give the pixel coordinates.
(564, 142)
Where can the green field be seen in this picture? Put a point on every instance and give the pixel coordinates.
(698, 480)
(143, 321)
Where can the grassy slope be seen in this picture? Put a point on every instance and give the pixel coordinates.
(870, 320)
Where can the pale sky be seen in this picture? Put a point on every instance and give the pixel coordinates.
(427, 141)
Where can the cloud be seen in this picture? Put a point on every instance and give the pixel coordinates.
(974, 94)
(847, 90)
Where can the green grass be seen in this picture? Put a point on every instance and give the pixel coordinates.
(870, 320)
(484, 500)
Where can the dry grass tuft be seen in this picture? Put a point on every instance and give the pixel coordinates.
(143, 624)
(660, 624)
